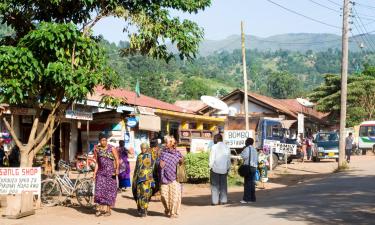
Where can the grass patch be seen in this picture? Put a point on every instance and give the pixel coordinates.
(342, 168)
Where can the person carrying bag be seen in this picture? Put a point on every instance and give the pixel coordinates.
(248, 171)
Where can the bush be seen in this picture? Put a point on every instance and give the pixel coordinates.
(197, 168)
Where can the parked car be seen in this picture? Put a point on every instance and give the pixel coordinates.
(326, 146)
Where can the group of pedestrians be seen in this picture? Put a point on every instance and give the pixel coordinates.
(220, 165)
(155, 170)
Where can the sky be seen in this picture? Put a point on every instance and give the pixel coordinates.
(261, 18)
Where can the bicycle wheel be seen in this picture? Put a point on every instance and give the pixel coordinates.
(50, 193)
(85, 193)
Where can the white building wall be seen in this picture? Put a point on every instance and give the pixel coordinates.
(252, 107)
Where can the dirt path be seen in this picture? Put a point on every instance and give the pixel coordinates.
(278, 204)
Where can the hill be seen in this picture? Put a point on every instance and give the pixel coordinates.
(292, 42)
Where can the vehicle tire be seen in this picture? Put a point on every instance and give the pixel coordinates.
(85, 193)
(289, 160)
(364, 151)
(337, 159)
(315, 159)
(50, 193)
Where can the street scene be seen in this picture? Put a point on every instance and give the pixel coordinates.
(187, 112)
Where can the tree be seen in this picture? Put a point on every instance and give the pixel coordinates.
(283, 85)
(193, 88)
(50, 68)
(51, 60)
(361, 92)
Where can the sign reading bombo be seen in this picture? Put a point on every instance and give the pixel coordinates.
(236, 138)
(18, 180)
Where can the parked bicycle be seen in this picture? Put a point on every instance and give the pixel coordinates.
(58, 189)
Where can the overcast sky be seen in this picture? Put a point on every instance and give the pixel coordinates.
(262, 18)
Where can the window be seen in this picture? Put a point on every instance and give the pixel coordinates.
(365, 131)
(192, 126)
(206, 126)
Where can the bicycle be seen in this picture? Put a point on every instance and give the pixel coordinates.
(59, 189)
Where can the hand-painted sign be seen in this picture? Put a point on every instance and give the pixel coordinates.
(237, 138)
(18, 180)
(131, 122)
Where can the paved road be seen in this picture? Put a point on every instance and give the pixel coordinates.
(340, 198)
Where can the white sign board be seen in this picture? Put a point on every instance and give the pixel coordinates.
(301, 124)
(78, 115)
(290, 149)
(199, 145)
(18, 180)
(237, 138)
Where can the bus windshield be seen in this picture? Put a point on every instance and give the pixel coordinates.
(367, 131)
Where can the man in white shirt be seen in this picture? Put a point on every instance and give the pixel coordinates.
(219, 163)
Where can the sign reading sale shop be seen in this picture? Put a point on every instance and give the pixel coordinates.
(18, 180)
(237, 138)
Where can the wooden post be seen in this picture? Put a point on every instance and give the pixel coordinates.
(244, 75)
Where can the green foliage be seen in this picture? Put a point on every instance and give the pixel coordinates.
(52, 63)
(197, 167)
(283, 85)
(361, 92)
(154, 25)
(193, 88)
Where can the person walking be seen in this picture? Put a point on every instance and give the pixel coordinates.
(143, 180)
(250, 157)
(348, 146)
(106, 170)
(219, 162)
(170, 189)
(124, 169)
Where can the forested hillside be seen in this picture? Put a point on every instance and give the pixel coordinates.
(280, 74)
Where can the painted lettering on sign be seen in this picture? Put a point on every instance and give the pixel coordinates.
(237, 138)
(18, 180)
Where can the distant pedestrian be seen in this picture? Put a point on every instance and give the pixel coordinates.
(309, 145)
(105, 173)
(14, 157)
(2, 153)
(124, 166)
(348, 146)
(143, 179)
(250, 157)
(219, 163)
(170, 157)
(262, 167)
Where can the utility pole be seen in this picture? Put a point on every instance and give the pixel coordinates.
(244, 76)
(344, 79)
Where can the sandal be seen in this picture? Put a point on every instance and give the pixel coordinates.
(98, 213)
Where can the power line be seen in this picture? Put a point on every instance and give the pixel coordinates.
(364, 28)
(302, 15)
(335, 3)
(324, 6)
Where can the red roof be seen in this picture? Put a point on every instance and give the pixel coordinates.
(131, 99)
(296, 107)
(192, 105)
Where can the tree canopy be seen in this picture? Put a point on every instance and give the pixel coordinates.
(361, 92)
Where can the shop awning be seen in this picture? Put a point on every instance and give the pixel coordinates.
(149, 123)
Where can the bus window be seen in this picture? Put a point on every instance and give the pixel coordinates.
(365, 131)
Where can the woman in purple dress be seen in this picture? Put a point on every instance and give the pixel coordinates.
(124, 169)
(105, 173)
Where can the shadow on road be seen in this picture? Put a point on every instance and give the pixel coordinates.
(339, 199)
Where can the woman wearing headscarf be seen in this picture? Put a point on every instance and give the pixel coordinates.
(170, 188)
(105, 173)
(143, 180)
(124, 169)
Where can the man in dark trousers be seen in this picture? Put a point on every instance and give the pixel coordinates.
(250, 157)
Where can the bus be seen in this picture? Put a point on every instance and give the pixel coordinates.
(366, 139)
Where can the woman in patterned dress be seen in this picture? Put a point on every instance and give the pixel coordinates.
(170, 188)
(105, 173)
(143, 180)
